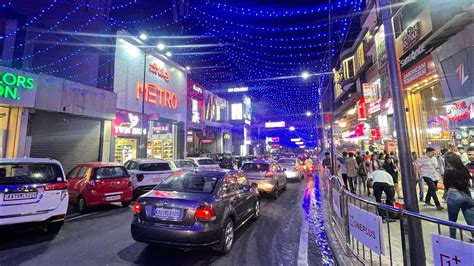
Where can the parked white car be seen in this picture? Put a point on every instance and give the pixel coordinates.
(33, 190)
(147, 173)
(204, 163)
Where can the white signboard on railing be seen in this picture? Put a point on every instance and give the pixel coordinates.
(366, 227)
(336, 202)
(448, 251)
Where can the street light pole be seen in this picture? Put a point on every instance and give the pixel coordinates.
(415, 245)
(143, 146)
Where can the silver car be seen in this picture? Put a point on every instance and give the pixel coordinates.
(293, 168)
(184, 164)
(269, 176)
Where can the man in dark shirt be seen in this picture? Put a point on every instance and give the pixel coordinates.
(327, 162)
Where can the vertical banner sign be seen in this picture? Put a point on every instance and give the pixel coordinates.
(361, 109)
(336, 202)
(366, 228)
(451, 252)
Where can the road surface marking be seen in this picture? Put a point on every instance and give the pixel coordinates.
(303, 247)
(79, 216)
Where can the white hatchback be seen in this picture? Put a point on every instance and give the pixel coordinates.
(204, 163)
(147, 173)
(33, 190)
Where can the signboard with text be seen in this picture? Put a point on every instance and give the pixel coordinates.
(127, 124)
(17, 88)
(459, 110)
(367, 228)
(418, 29)
(418, 72)
(151, 78)
(450, 252)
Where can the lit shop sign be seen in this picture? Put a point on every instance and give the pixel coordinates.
(161, 129)
(374, 107)
(459, 110)
(412, 56)
(156, 95)
(195, 109)
(414, 33)
(10, 85)
(275, 124)
(159, 71)
(361, 110)
(206, 141)
(419, 71)
(386, 106)
(212, 108)
(227, 136)
(273, 139)
(337, 78)
(295, 139)
(242, 89)
(299, 143)
(127, 124)
(197, 89)
(370, 91)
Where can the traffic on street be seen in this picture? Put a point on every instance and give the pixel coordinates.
(225, 132)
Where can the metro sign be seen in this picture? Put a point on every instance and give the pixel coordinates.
(157, 95)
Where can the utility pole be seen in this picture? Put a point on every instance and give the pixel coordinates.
(415, 246)
(143, 137)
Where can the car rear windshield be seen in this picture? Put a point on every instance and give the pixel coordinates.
(256, 167)
(29, 173)
(205, 161)
(184, 164)
(189, 182)
(110, 172)
(152, 167)
(287, 161)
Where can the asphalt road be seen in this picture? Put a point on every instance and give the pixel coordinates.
(103, 238)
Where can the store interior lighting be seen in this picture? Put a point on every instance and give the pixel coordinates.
(352, 111)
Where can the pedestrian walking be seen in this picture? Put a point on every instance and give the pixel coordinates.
(362, 173)
(441, 165)
(470, 164)
(392, 169)
(383, 183)
(463, 155)
(419, 180)
(428, 167)
(457, 184)
(327, 162)
(351, 166)
(342, 168)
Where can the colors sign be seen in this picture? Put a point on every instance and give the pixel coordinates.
(17, 89)
(459, 110)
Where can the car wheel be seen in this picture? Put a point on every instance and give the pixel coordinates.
(81, 205)
(227, 238)
(276, 192)
(256, 211)
(54, 228)
(125, 203)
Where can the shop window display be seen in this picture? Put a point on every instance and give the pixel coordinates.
(161, 141)
(125, 149)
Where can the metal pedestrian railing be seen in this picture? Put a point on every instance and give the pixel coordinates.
(376, 242)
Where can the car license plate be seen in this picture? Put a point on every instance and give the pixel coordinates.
(168, 214)
(111, 198)
(20, 196)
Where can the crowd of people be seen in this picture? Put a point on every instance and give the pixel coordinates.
(379, 172)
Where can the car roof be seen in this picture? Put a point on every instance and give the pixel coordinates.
(182, 160)
(99, 164)
(287, 158)
(154, 160)
(28, 160)
(198, 158)
(207, 172)
(258, 161)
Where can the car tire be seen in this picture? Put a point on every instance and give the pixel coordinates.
(276, 192)
(227, 238)
(54, 228)
(81, 205)
(125, 203)
(256, 210)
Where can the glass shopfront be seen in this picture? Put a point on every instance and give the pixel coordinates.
(126, 129)
(161, 140)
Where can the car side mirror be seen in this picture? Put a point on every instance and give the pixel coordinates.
(254, 185)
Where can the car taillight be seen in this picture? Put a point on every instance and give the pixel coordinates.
(140, 177)
(129, 182)
(269, 174)
(56, 186)
(137, 208)
(205, 213)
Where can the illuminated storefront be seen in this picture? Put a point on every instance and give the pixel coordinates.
(195, 118)
(158, 86)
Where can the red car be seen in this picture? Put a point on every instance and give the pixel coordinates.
(93, 184)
